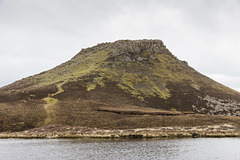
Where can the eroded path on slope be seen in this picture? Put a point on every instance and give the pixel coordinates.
(50, 104)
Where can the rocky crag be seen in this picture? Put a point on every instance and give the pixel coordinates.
(124, 84)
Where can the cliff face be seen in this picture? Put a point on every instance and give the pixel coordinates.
(127, 75)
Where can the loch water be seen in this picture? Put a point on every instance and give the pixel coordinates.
(113, 149)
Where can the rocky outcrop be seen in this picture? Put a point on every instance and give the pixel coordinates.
(129, 48)
(216, 106)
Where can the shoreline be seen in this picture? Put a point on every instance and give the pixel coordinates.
(225, 130)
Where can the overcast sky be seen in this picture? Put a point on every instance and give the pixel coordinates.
(37, 35)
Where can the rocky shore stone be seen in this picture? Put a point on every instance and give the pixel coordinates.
(225, 130)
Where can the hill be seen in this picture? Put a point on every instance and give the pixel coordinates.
(124, 84)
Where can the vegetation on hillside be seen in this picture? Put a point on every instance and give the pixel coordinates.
(125, 76)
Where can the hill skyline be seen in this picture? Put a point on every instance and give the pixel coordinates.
(194, 32)
(138, 81)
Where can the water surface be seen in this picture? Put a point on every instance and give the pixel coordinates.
(183, 149)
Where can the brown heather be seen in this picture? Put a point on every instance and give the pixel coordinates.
(121, 85)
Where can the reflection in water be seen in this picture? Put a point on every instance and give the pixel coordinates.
(183, 149)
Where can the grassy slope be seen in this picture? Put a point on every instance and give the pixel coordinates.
(73, 92)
